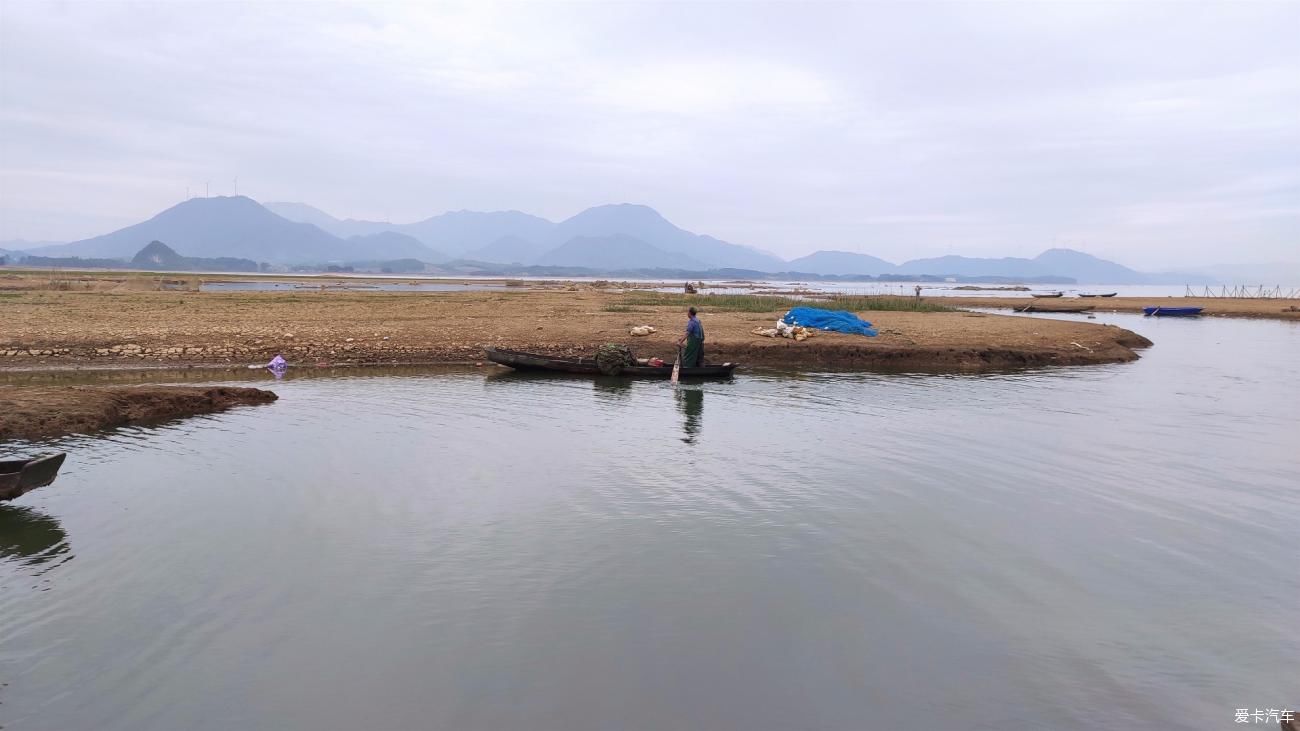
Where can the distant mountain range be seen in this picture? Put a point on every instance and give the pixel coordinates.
(512, 237)
(237, 227)
(604, 239)
(13, 246)
(614, 252)
(841, 262)
(1078, 265)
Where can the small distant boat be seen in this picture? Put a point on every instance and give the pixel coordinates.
(1045, 295)
(522, 361)
(1108, 294)
(1172, 311)
(21, 476)
(1053, 307)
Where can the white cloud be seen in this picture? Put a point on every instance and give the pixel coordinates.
(1146, 130)
(716, 86)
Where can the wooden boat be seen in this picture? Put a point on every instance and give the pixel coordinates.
(1053, 307)
(1108, 294)
(21, 476)
(1172, 311)
(522, 361)
(1046, 295)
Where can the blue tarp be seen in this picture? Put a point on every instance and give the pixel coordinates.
(836, 320)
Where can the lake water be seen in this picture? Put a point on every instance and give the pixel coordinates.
(1095, 548)
(423, 283)
(949, 289)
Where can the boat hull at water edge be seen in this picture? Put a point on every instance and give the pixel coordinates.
(1057, 308)
(1172, 311)
(522, 361)
(19, 477)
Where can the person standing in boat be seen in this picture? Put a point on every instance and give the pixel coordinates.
(693, 339)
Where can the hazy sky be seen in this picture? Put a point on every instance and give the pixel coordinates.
(1151, 133)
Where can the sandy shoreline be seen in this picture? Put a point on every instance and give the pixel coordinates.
(52, 329)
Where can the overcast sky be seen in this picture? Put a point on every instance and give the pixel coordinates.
(1151, 133)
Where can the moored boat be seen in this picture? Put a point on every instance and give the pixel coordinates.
(522, 361)
(1172, 311)
(1046, 295)
(20, 476)
(1053, 307)
(1090, 294)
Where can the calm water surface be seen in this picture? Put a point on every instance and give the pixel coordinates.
(1109, 547)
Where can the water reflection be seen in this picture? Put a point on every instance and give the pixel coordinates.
(30, 536)
(615, 390)
(691, 402)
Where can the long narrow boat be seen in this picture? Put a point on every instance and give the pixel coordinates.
(1108, 294)
(20, 476)
(1052, 307)
(1045, 295)
(1172, 311)
(522, 361)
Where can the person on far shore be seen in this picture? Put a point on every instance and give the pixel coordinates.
(693, 339)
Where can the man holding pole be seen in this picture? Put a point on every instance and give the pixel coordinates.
(693, 339)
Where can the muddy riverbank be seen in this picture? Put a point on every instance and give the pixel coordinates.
(48, 411)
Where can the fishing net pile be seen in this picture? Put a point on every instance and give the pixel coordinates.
(800, 322)
(612, 357)
(833, 320)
